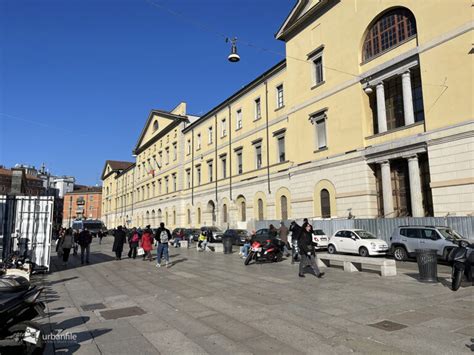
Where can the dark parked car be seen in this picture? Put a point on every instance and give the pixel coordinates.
(195, 232)
(238, 235)
(216, 233)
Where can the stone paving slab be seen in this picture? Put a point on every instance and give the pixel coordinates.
(210, 303)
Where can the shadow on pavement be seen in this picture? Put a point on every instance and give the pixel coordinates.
(75, 261)
(174, 262)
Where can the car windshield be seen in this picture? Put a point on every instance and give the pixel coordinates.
(365, 235)
(318, 232)
(450, 233)
(215, 229)
(241, 232)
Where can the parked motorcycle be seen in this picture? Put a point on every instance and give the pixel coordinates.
(462, 259)
(269, 250)
(18, 306)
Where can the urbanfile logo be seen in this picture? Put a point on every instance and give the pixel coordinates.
(58, 338)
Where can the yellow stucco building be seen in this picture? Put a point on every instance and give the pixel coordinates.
(369, 115)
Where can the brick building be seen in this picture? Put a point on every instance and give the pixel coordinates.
(19, 182)
(82, 203)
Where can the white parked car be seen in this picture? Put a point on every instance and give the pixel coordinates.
(356, 241)
(320, 239)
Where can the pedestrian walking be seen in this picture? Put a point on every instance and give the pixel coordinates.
(283, 235)
(133, 243)
(146, 243)
(295, 230)
(307, 252)
(75, 244)
(84, 240)
(65, 244)
(120, 239)
(272, 231)
(163, 236)
(100, 234)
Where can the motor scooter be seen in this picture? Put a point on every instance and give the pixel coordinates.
(19, 304)
(269, 250)
(462, 260)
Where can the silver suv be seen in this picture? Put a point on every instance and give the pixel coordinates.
(406, 239)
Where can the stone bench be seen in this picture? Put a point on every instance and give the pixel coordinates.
(353, 263)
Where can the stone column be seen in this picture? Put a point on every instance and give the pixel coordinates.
(415, 187)
(387, 189)
(407, 99)
(381, 112)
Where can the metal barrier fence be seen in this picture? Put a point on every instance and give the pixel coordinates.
(383, 227)
(26, 227)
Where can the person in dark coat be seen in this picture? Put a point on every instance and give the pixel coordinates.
(307, 252)
(85, 240)
(295, 230)
(120, 238)
(272, 231)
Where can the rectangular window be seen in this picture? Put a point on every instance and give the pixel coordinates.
(239, 161)
(175, 151)
(258, 156)
(209, 170)
(281, 149)
(175, 183)
(153, 192)
(209, 135)
(189, 147)
(159, 186)
(167, 154)
(258, 109)
(319, 121)
(394, 103)
(224, 166)
(279, 94)
(318, 69)
(239, 119)
(160, 158)
(223, 127)
(188, 178)
(198, 141)
(198, 174)
(166, 185)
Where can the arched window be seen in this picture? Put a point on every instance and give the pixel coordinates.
(189, 216)
(160, 215)
(166, 218)
(284, 207)
(243, 211)
(392, 28)
(260, 209)
(325, 204)
(199, 215)
(224, 213)
(155, 125)
(174, 218)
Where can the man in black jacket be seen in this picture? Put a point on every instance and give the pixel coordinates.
(307, 251)
(85, 240)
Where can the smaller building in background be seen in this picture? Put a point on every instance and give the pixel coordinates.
(82, 203)
(18, 181)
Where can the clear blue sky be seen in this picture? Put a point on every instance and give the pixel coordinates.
(79, 77)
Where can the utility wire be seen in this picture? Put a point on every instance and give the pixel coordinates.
(208, 29)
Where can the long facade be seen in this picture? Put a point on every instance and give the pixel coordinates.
(369, 115)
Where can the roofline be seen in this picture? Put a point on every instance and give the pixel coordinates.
(290, 15)
(166, 114)
(125, 170)
(277, 67)
(105, 176)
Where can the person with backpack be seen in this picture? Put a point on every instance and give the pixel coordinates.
(162, 236)
(133, 243)
(85, 240)
(295, 230)
(146, 243)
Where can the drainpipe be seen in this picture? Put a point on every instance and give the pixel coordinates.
(230, 153)
(215, 164)
(192, 167)
(268, 138)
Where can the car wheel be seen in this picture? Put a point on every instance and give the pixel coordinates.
(331, 249)
(363, 252)
(400, 253)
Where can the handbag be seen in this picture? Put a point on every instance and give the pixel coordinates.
(140, 251)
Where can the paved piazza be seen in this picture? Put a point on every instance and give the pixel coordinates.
(212, 303)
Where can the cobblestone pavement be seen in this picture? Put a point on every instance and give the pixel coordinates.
(212, 303)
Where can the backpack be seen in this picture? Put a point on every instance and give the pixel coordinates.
(164, 236)
(135, 238)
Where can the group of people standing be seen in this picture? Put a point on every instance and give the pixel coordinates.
(69, 239)
(301, 246)
(141, 243)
